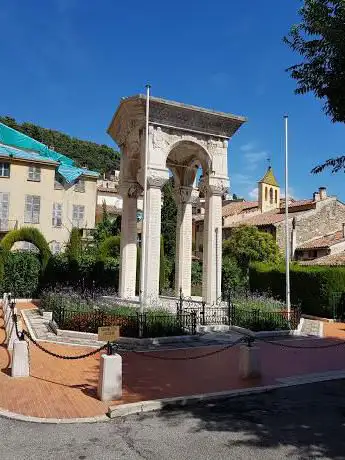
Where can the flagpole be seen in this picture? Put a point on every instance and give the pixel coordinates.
(287, 239)
(143, 232)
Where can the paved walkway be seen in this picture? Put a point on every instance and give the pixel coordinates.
(67, 389)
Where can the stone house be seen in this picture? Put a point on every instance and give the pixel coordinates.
(315, 225)
(42, 188)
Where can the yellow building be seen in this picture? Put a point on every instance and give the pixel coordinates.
(43, 189)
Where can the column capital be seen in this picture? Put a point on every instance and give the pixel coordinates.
(156, 178)
(130, 189)
(186, 194)
(214, 186)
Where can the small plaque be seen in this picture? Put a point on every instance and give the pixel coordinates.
(108, 333)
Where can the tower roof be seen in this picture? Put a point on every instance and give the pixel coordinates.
(269, 178)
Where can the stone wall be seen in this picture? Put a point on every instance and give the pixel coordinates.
(327, 218)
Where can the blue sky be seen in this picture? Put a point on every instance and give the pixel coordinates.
(66, 64)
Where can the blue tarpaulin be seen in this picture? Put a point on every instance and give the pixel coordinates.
(27, 148)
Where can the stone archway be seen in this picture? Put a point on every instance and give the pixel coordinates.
(184, 159)
(178, 135)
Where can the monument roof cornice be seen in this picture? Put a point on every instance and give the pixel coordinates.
(131, 114)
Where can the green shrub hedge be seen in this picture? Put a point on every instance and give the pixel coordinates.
(31, 235)
(22, 274)
(311, 287)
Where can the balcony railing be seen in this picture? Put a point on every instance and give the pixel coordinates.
(8, 225)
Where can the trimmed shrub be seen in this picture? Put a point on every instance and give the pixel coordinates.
(85, 272)
(74, 247)
(110, 247)
(311, 287)
(31, 235)
(22, 274)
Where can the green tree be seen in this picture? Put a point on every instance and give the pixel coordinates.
(97, 157)
(247, 244)
(74, 248)
(109, 247)
(233, 276)
(169, 215)
(320, 39)
(107, 227)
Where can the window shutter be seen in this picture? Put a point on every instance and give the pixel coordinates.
(36, 206)
(28, 209)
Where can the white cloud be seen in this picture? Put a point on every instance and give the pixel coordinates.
(253, 159)
(247, 147)
(291, 193)
(254, 193)
(241, 179)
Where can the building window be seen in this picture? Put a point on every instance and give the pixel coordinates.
(266, 194)
(32, 209)
(57, 215)
(34, 174)
(27, 246)
(4, 170)
(55, 247)
(78, 216)
(276, 196)
(271, 195)
(4, 209)
(80, 186)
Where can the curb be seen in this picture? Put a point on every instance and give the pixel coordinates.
(53, 421)
(123, 410)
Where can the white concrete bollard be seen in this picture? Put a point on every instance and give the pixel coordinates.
(8, 320)
(110, 378)
(249, 362)
(20, 359)
(12, 335)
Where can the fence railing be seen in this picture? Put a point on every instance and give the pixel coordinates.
(151, 325)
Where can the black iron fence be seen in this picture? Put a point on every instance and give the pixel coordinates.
(151, 324)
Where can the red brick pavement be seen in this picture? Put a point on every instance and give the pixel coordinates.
(67, 389)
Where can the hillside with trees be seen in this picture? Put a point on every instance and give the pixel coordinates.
(96, 157)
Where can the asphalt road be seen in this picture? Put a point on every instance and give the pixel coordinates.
(305, 422)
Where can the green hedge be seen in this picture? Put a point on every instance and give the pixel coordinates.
(31, 235)
(110, 247)
(312, 287)
(22, 274)
(86, 270)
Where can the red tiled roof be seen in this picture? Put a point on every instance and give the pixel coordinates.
(323, 242)
(267, 218)
(298, 204)
(331, 260)
(237, 207)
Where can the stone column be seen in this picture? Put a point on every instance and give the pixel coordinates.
(212, 250)
(183, 256)
(128, 248)
(155, 182)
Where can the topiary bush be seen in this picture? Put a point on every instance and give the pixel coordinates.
(74, 247)
(311, 287)
(110, 247)
(22, 274)
(31, 235)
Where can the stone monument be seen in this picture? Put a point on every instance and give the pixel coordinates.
(182, 138)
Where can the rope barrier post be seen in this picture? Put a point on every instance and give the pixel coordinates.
(249, 359)
(110, 377)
